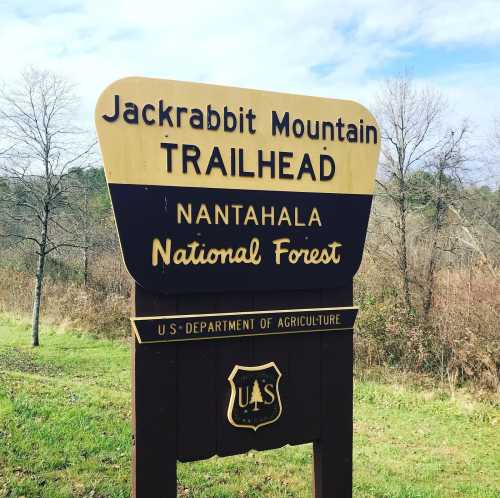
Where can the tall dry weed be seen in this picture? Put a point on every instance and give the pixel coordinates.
(67, 304)
(466, 319)
(461, 340)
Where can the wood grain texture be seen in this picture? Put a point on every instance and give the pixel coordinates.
(333, 450)
(154, 414)
(181, 391)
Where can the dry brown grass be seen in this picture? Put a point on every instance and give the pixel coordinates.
(466, 319)
(69, 305)
(459, 343)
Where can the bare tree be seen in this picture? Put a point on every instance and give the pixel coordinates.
(442, 187)
(44, 151)
(91, 213)
(409, 119)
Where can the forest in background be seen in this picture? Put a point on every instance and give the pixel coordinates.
(428, 287)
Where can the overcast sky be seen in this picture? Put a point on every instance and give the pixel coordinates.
(340, 49)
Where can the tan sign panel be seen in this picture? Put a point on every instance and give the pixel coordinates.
(160, 132)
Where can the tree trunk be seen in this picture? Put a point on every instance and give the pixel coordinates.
(37, 299)
(427, 305)
(437, 225)
(85, 264)
(85, 239)
(403, 253)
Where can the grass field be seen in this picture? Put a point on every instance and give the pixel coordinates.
(65, 432)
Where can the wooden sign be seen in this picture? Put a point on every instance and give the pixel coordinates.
(218, 189)
(242, 217)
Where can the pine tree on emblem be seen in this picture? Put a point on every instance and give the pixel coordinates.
(256, 396)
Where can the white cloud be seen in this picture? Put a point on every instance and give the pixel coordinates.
(463, 21)
(329, 48)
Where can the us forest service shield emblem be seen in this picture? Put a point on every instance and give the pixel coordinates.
(255, 398)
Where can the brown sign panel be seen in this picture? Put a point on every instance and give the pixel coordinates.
(217, 188)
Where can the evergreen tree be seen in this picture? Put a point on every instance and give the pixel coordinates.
(256, 396)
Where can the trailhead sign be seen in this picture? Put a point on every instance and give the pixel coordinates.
(242, 217)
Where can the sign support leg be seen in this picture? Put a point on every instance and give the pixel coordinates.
(333, 452)
(154, 409)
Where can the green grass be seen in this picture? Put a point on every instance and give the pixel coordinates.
(65, 432)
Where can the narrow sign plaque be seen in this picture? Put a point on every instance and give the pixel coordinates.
(250, 323)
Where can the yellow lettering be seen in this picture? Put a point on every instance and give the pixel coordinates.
(196, 253)
(284, 217)
(335, 256)
(180, 256)
(224, 215)
(314, 218)
(268, 389)
(237, 208)
(164, 252)
(251, 216)
(182, 213)
(298, 223)
(278, 251)
(203, 215)
(241, 403)
(255, 257)
(267, 215)
(313, 256)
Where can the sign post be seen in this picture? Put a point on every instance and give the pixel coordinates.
(242, 217)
